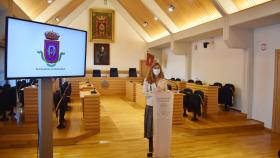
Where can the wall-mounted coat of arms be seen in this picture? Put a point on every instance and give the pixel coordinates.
(102, 25)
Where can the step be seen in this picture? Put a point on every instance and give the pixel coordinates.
(222, 127)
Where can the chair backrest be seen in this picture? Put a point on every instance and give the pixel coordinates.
(198, 82)
(172, 79)
(178, 79)
(231, 86)
(190, 81)
(188, 90)
(6, 86)
(114, 72)
(96, 73)
(200, 93)
(217, 84)
(132, 72)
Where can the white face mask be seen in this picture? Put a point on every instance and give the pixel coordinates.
(156, 72)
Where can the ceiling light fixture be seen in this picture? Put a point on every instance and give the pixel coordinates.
(145, 24)
(50, 1)
(171, 8)
(57, 19)
(156, 18)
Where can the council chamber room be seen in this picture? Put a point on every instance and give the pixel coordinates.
(140, 78)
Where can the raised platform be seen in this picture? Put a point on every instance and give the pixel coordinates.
(26, 135)
(222, 122)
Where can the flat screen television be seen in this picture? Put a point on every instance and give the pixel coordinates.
(39, 50)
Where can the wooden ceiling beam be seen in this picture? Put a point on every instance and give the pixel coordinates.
(86, 5)
(219, 8)
(65, 11)
(55, 7)
(163, 18)
(120, 9)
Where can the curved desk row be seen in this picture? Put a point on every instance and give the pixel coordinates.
(104, 85)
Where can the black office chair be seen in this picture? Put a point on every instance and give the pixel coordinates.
(227, 95)
(198, 97)
(198, 82)
(114, 72)
(172, 79)
(5, 101)
(132, 72)
(190, 81)
(187, 100)
(13, 100)
(96, 73)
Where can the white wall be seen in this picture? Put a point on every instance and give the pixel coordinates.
(264, 73)
(175, 65)
(218, 63)
(128, 47)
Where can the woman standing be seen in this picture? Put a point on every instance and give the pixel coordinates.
(154, 81)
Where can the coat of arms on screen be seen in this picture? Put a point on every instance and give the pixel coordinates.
(51, 53)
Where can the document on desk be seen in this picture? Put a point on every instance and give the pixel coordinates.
(162, 123)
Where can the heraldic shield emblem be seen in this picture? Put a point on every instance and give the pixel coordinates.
(51, 53)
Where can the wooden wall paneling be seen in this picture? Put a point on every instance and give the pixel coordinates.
(105, 85)
(112, 85)
(177, 108)
(140, 98)
(31, 104)
(276, 97)
(92, 112)
(130, 91)
(174, 84)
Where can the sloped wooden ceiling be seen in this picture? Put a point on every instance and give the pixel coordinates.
(233, 6)
(189, 13)
(33, 8)
(245, 4)
(141, 14)
(66, 10)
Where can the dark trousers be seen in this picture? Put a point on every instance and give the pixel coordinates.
(151, 146)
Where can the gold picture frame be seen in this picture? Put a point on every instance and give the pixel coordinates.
(102, 25)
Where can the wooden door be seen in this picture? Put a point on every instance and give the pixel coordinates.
(276, 100)
(143, 68)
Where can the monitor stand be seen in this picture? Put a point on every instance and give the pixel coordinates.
(45, 102)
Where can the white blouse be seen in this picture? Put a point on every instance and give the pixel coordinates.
(149, 88)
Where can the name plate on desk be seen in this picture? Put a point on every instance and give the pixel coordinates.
(162, 122)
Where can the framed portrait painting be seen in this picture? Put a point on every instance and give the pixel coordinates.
(102, 25)
(101, 54)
